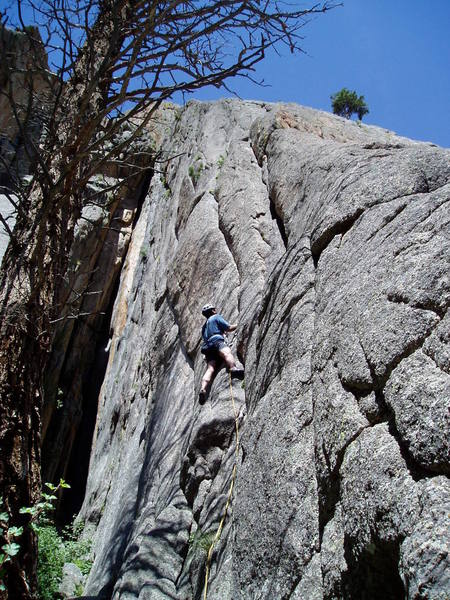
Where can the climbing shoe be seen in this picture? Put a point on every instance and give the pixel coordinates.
(236, 373)
(201, 397)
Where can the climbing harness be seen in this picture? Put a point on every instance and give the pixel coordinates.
(229, 498)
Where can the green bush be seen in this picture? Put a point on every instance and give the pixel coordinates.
(200, 542)
(195, 171)
(345, 103)
(51, 559)
(78, 550)
(56, 548)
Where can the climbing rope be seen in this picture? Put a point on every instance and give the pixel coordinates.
(230, 495)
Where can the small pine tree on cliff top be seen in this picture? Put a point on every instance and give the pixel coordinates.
(345, 103)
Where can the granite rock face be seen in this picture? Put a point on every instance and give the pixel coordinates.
(328, 243)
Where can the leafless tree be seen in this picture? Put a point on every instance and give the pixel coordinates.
(110, 63)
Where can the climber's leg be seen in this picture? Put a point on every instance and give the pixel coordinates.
(227, 356)
(206, 380)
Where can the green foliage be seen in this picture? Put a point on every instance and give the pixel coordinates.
(200, 542)
(51, 559)
(10, 548)
(345, 103)
(195, 172)
(53, 550)
(77, 549)
(220, 161)
(56, 548)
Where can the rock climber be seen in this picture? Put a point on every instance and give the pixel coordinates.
(215, 349)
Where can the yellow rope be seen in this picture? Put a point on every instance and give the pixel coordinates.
(230, 495)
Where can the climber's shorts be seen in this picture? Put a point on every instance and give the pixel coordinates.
(212, 352)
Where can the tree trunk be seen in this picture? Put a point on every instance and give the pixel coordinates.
(31, 283)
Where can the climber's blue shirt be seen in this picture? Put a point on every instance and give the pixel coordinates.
(214, 326)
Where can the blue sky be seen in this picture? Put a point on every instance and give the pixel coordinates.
(394, 52)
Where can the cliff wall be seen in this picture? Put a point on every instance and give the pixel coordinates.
(19, 82)
(327, 241)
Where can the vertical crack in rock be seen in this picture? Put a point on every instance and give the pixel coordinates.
(416, 470)
(78, 463)
(333, 494)
(229, 244)
(273, 209)
(279, 221)
(68, 435)
(187, 357)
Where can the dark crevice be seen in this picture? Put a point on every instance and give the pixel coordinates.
(78, 465)
(379, 412)
(340, 228)
(279, 221)
(383, 146)
(398, 298)
(160, 300)
(417, 471)
(330, 489)
(142, 192)
(243, 453)
(359, 389)
(187, 356)
(373, 572)
(229, 244)
(273, 210)
(77, 421)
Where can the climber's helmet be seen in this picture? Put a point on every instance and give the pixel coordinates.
(207, 309)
